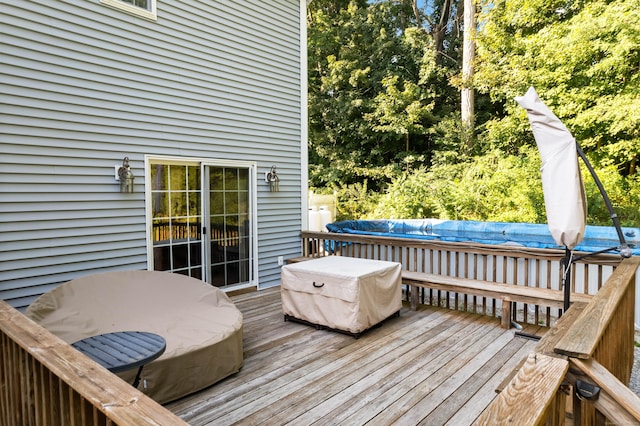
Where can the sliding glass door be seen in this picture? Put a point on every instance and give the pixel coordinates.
(202, 220)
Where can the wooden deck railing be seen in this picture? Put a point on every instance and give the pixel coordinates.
(44, 381)
(498, 263)
(592, 342)
(594, 347)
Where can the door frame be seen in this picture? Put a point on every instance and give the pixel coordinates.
(252, 166)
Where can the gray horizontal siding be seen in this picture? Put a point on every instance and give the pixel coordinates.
(83, 85)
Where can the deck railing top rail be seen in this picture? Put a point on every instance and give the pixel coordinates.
(592, 323)
(509, 250)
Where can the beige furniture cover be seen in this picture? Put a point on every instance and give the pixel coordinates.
(564, 196)
(202, 327)
(342, 293)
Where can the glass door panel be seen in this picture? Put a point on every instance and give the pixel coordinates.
(229, 219)
(177, 218)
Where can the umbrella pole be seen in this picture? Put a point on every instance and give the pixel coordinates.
(624, 248)
(566, 277)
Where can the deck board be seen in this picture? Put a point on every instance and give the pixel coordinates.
(430, 366)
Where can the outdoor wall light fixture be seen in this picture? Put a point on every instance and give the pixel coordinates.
(125, 176)
(271, 177)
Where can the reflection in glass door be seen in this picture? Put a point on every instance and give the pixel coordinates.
(228, 221)
(205, 234)
(177, 218)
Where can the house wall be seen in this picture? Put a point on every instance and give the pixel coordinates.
(83, 85)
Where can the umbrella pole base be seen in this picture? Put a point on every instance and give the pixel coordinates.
(527, 335)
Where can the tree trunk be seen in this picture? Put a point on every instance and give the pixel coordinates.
(416, 12)
(440, 28)
(468, 57)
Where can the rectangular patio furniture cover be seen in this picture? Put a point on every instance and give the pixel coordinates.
(342, 293)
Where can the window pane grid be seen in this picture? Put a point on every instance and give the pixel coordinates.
(229, 207)
(176, 218)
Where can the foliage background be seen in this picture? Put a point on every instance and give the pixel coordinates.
(384, 99)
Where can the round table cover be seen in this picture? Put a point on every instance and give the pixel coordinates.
(202, 327)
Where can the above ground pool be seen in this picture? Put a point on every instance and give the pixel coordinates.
(597, 238)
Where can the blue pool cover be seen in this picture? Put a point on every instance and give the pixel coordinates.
(596, 238)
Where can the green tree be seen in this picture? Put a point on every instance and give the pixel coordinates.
(406, 108)
(386, 131)
(497, 188)
(583, 59)
(492, 187)
(372, 90)
(409, 196)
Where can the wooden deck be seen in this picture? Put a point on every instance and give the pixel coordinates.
(431, 366)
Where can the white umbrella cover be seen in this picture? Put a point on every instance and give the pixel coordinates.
(564, 197)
